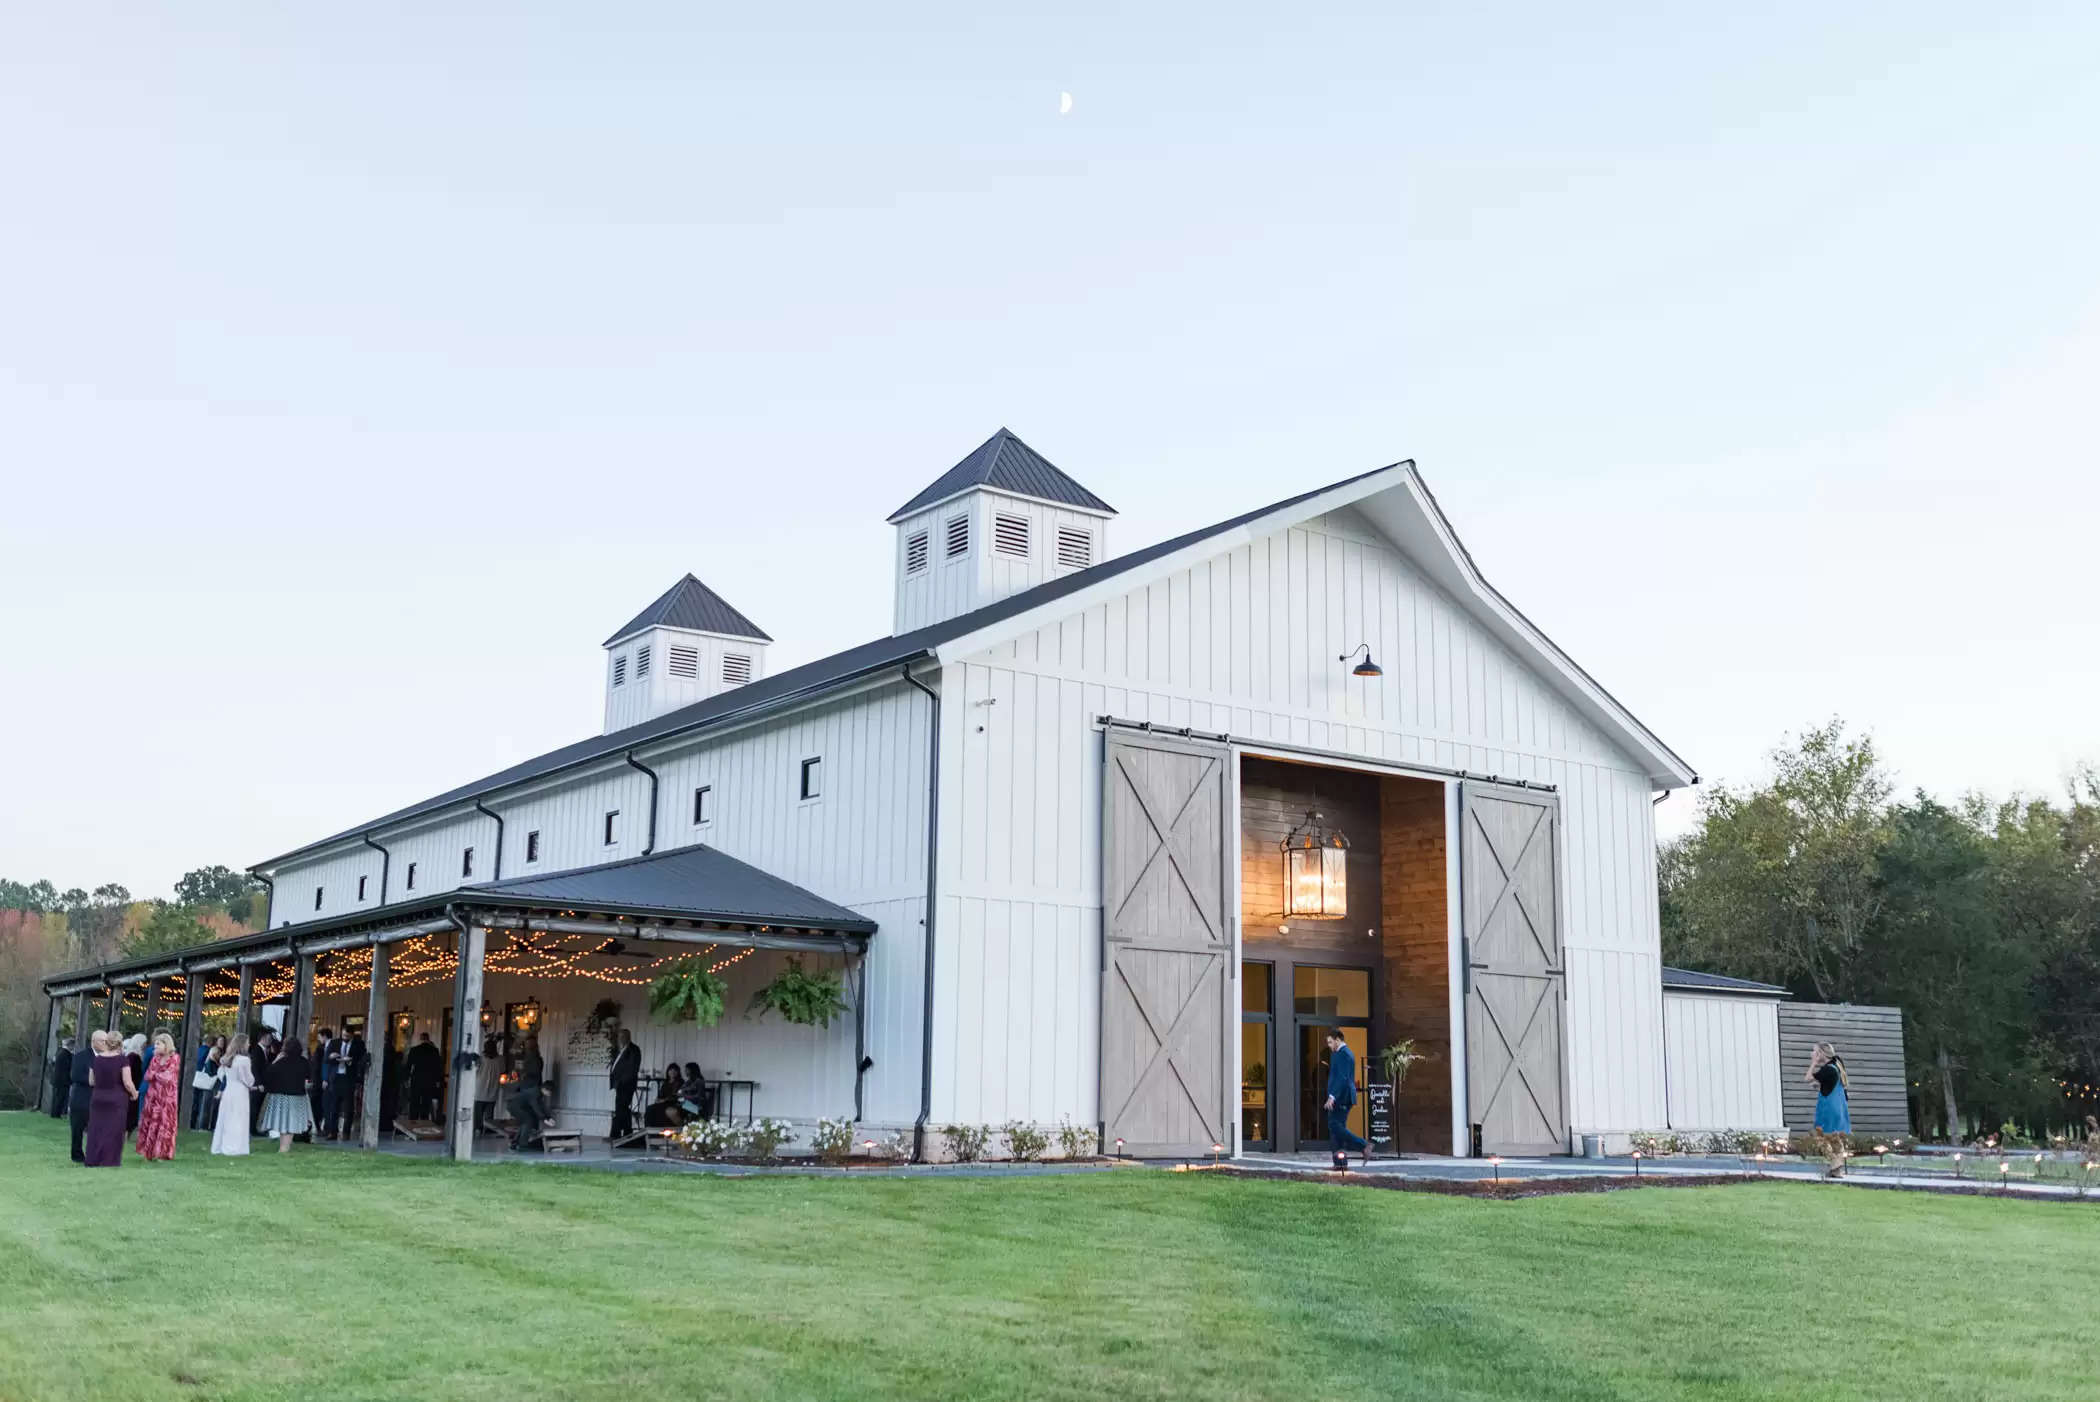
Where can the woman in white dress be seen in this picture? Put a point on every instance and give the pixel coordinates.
(230, 1135)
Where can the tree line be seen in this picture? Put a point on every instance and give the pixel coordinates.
(1980, 918)
(44, 930)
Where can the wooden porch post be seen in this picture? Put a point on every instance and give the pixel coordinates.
(244, 1007)
(152, 1010)
(80, 1028)
(191, 1039)
(302, 1011)
(45, 1093)
(378, 1044)
(116, 1009)
(466, 1029)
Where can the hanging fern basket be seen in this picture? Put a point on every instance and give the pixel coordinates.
(689, 992)
(799, 996)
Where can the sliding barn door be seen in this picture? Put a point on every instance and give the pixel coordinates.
(1166, 969)
(1516, 978)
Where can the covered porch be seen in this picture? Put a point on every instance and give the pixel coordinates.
(566, 957)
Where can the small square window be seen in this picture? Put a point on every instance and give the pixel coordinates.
(1075, 548)
(361, 886)
(703, 804)
(612, 827)
(411, 876)
(736, 668)
(1010, 535)
(915, 552)
(466, 862)
(317, 897)
(684, 661)
(532, 846)
(813, 777)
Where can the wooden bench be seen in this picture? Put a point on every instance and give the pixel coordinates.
(562, 1141)
(418, 1129)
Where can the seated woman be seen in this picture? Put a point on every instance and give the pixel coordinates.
(696, 1096)
(664, 1112)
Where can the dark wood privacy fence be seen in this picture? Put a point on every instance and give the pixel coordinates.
(1871, 1042)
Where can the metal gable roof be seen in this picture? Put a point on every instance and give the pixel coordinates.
(1004, 462)
(1718, 983)
(689, 882)
(691, 604)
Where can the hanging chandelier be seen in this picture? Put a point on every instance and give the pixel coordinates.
(1316, 871)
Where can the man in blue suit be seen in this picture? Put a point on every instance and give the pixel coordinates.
(1341, 1098)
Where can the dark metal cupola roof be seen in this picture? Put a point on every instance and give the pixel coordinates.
(1004, 463)
(691, 604)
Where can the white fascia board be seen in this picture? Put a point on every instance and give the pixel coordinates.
(1122, 582)
(1093, 511)
(1463, 579)
(685, 632)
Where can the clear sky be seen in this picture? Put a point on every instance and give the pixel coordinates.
(361, 367)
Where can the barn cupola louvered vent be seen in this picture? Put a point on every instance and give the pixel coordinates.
(1010, 534)
(1035, 523)
(1075, 548)
(688, 645)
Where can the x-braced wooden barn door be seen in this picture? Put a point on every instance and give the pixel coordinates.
(1166, 966)
(1516, 978)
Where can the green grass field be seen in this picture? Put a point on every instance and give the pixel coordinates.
(341, 1277)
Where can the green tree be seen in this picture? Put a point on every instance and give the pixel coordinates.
(36, 897)
(1779, 882)
(167, 928)
(217, 885)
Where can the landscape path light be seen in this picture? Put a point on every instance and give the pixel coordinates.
(1495, 1161)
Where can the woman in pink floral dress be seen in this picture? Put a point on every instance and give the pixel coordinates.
(157, 1105)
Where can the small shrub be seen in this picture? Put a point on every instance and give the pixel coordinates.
(764, 1138)
(833, 1140)
(711, 1139)
(1654, 1146)
(1076, 1141)
(966, 1142)
(896, 1147)
(1024, 1143)
(1735, 1141)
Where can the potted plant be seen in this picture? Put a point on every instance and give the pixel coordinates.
(812, 1000)
(605, 1016)
(689, 992)
(1395, 1060)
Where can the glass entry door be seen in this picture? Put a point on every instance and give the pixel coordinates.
(1257, 1056)
(1327, 1000)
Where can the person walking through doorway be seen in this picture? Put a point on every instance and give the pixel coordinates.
(1341, 1099)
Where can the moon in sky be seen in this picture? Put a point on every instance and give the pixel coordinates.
(1064, 103)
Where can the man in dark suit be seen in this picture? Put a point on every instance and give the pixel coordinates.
(626, 1075)
(1341, 1098)
(425, 1069)
(353, 1093)
(81, 1083)
(62, 1079)
(335, 1086)
(320, 1077)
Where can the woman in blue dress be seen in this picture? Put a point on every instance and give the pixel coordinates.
(1827, 1069)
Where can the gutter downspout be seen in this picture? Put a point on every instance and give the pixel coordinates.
(483, 807)
(269, 896)
(652, 799)
(933, 828)
(386, 863)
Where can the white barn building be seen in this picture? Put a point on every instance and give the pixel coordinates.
(1041, 828)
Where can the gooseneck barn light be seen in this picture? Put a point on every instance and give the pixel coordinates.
(1365, 668)
(1316, 870)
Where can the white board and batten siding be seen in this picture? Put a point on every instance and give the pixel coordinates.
(1722, 1056)
(861, 843)
(1246, 642)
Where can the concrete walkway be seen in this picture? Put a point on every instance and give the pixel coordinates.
(1860, 1173)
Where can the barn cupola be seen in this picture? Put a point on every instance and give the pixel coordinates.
(687, 646)
(1002, 520)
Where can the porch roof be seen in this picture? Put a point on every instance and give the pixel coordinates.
(698, 886)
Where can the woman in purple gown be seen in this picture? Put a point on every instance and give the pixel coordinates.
(110, 1103)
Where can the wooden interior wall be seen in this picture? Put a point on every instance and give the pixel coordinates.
(1415, 989)
(1397, 925)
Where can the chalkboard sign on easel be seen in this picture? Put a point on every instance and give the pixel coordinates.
(1381, 1101)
